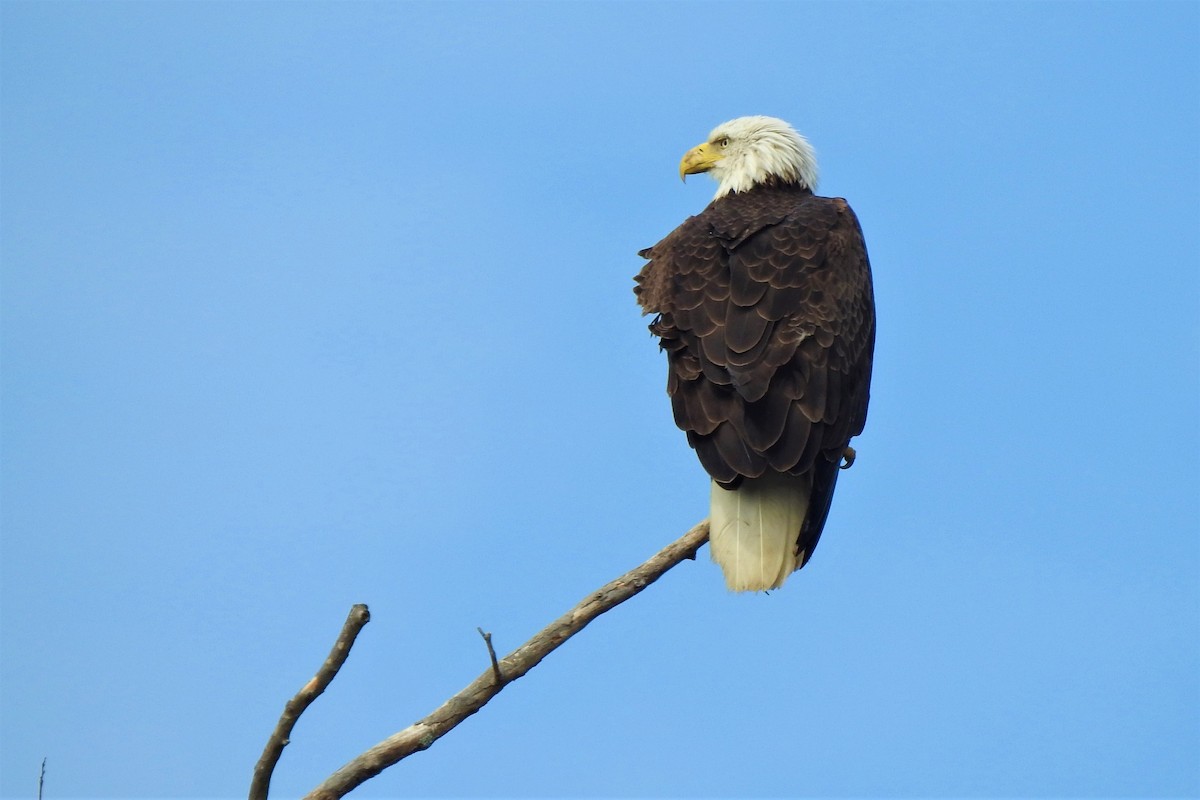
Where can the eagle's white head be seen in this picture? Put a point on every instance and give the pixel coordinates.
(748, 151)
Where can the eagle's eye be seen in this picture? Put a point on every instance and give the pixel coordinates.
(723, 141)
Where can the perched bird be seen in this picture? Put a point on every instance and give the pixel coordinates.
(764, 306)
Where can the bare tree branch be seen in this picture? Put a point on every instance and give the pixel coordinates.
(422, 734)
(261, 784)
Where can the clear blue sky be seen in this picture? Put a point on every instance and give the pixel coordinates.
(313, 304)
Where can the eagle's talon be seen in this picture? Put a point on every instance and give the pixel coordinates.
(848, 456)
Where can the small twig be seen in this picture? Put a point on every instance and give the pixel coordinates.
(41, 778)
(261, 784)
(422, 734)
(487, 639)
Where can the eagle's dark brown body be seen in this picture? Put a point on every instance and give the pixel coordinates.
(765, 309)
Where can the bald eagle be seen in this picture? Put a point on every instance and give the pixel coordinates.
(764, 306)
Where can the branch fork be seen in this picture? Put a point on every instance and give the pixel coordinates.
(422, 734)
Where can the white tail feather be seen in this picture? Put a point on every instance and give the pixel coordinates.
(753, 530)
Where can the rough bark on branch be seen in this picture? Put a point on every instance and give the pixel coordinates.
(423, 733)
(261, 784)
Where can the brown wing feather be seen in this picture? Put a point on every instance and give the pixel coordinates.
(765, 309)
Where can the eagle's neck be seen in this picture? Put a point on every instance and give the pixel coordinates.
(772, 185)
(787, 159)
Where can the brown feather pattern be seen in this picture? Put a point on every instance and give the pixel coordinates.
(764, 306)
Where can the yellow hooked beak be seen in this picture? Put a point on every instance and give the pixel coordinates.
(700, 158)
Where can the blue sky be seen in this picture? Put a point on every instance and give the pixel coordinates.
(313, 304)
